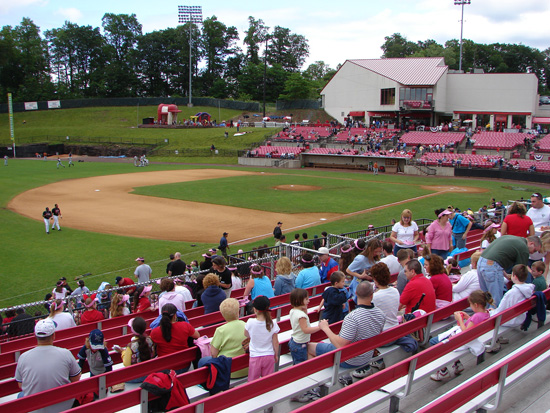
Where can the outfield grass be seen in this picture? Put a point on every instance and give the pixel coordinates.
(32, 261)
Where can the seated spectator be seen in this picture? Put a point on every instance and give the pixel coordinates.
(141, 347)
(403, 257)
(362, 263)
(141, 299)
(172, 335)
(390, 260)
(309, 276)
(284, 282)
(334, 299)
(469, 281)
(91, 314)
(169, 295)
(228, 338)
(94, 351)
(517, 222)
(537, 270)
(200, 290)
(213, 295)
(489, 233)
(184, 290)
(258, 284)
(236, 281)
(328, 265)
(22, 324)
(418, 284)
(119, 305)
(439, 278)
(61, 319)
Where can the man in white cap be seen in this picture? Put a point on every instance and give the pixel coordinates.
(328, 265)
(143, 271)
(46, 366)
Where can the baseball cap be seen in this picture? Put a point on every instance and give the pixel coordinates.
(44, 328)
(261, 303)
(117, 279)
(279, 223)
(323, 251)
(96, 340)
(63, 279)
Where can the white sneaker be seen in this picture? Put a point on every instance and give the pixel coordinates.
(440, 375)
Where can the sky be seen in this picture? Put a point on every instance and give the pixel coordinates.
(336, 32)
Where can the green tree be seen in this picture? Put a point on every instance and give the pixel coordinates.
(287, 49)
(298, 87)
(398, 46)
(256, 34)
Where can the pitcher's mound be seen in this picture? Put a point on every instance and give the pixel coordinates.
(297, 187)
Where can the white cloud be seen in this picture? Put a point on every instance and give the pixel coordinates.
(71, 14)
(7, 6)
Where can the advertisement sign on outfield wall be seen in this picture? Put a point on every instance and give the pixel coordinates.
(31, 105)
(54, 104)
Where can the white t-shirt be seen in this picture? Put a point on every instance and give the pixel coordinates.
(405, 234)
(297, 334)
(387, 300)
(392, 263)
(540, 217)
(468, 283)
(184, 291)
(63, 321)
(261, 341)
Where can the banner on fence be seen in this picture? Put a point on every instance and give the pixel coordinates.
(31, 105)
(54, 104)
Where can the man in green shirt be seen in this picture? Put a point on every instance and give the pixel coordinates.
(501, 255)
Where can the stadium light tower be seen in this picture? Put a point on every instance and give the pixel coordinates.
(461, 3)
(190, 14)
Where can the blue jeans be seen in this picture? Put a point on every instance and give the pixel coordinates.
(323, 348)
(442, 253)
(298, 351)
(491, 278)
(204, 360)
(397, 248)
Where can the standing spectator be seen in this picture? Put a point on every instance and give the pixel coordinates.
(207, 263)
(170, 296)
(284, 282)
(364, 322)
(501, 255)
(46, 366)
(178, 266)
(277, 231)
(125, 283)
(81, 289)
(66, 285)
(258, 284)
(224, 246)
(47, 214)
(219, 267)
(309, 276)
(61, 319)
(56, 215)
(404, 233)
(307, 243)
(143, 271)
(169, 265)
(540, 215)
(328, 265)
(59, 292)
(334, 298)
(439, 235)
(418, 284)
(460, 226)
(213, 295)
(517, 222)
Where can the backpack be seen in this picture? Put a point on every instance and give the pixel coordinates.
(169, 389)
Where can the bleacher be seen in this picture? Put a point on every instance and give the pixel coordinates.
(499, 140)
(361, 134)
(525, 165)
(332, 151)
(389, 385)
(477, 161)
(432, 138)
(276, 151)
(544, 144)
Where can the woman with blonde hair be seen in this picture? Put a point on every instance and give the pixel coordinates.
(119, 305)
(404, 234)
(284, 282)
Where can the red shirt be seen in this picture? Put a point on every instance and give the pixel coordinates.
(413, 291)
(126, 282)
(180, 333)
(143, 305)
(91, 316)
(518, 225)
(443, 287)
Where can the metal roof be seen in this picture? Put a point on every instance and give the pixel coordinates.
(409, 71)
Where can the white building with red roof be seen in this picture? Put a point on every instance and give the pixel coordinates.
(423, 90)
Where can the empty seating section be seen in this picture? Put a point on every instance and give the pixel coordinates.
(477, 161)
(524, 165)
(276, 151)
(544, 144)
(432, 138)
(499, 140)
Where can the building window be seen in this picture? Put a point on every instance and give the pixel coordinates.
(416, 97)
(387, 96)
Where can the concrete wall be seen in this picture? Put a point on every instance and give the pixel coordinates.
(270, 162)
(355, 88)
(440, 171)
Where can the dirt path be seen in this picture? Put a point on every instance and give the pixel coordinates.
(104, 204)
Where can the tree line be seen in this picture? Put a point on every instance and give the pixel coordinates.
(119, 60)
(492, 58)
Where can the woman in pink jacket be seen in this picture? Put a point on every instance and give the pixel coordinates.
(439, 236)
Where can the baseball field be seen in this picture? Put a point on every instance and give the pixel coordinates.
(114, 212)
